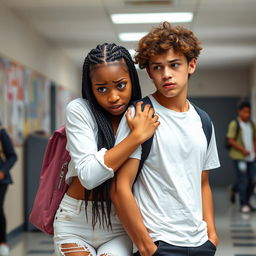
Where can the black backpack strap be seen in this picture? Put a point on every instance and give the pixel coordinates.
(206, 123)
(146, 146)
(237, 129)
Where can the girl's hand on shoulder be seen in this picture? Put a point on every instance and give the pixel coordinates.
(144, 122)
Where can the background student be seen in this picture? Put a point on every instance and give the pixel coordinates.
(7, 159)
(241, 136)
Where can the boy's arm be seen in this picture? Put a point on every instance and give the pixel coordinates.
(127, 208)
(208, 212)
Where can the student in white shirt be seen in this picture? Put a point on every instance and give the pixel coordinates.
(241, 136)
(169, 209)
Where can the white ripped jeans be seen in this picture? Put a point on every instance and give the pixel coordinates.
(72, 227)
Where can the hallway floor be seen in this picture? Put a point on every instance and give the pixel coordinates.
(237, 233)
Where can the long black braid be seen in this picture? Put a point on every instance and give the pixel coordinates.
(102, 54)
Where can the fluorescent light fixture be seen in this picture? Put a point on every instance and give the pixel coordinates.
(137, 18)
(129, 37)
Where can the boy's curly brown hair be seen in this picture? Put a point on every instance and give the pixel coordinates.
(164, 37)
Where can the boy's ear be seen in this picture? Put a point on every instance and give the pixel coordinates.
(192, 66)
(147, 68)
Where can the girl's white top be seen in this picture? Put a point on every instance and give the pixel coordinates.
(87, 162)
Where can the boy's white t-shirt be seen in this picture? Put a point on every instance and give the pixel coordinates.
(247, 137)
(168, 189)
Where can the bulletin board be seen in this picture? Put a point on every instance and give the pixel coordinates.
(26, 101)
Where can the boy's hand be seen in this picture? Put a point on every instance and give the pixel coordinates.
(1, 175)
(245, 152)
(214, 239)
(149, 250)
(144, 122)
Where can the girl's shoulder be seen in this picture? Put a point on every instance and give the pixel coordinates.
(79, 109)
(78, 105)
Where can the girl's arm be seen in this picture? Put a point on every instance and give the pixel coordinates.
(94, 166)
(142, 127)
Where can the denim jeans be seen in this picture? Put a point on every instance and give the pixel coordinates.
(165, 249)
(245, 180)
(72, 226)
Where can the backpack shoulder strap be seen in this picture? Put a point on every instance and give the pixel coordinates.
(146, 146)
(237, 129)
(206, 123)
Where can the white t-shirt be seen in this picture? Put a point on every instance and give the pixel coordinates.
(247, 137)
(168, 189)
(82, 135)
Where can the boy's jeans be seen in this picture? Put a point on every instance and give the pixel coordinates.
(245, 178)
(164, 249)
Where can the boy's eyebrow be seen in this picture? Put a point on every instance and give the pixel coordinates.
(169, 61)
(116, 82)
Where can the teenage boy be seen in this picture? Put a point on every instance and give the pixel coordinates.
(241, 136)
(170, 211)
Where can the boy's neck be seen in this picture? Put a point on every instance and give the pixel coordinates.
(178, 103)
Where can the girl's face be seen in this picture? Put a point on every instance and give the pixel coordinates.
(111, 86)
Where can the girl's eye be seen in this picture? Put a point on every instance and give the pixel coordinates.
(101, 89)
(121, 85)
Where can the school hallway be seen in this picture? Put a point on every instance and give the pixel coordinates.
(237, 232)
(43, 45)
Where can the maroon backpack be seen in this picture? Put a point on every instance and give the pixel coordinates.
(52, 186)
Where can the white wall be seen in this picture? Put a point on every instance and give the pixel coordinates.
(253, 91)
(211, 83)
(19, 42)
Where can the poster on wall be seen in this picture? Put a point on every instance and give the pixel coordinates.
(37, 103)
(14, 102)
(64, 96)
(26, 99)
(12, 105)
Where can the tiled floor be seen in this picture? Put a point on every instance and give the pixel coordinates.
(237, 233)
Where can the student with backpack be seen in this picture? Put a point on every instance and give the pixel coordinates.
(168, 210)
(8, 157)
(241, 136)
(86, 222)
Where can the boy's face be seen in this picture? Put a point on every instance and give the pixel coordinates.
(245, 114)
(169, 72)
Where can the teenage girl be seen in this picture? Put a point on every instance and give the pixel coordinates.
(86, 222)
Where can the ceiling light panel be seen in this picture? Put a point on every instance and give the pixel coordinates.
(129, 37)
(139, 18)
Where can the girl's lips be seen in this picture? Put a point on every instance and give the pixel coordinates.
(117, 108)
